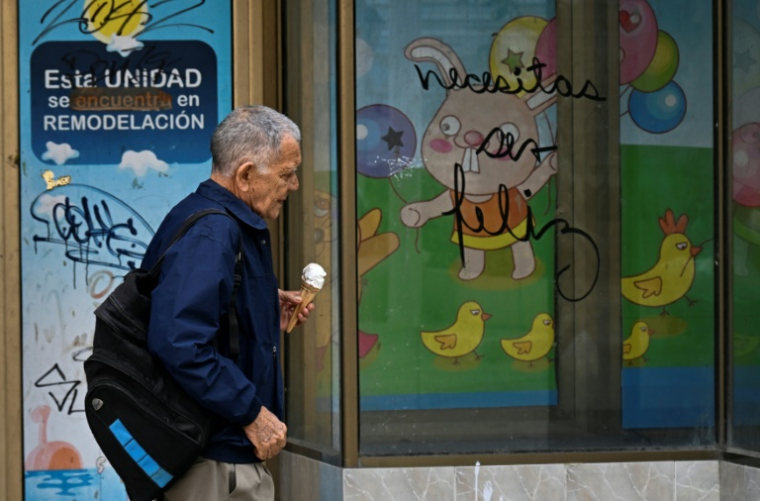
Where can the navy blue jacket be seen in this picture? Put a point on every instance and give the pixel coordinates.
(192, 297)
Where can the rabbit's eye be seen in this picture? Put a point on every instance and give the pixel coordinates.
(510, 129)
(681, 246)
(450, 125)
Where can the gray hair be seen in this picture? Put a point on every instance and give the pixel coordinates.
(250, 134)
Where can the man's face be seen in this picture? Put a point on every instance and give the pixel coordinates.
(268, 191)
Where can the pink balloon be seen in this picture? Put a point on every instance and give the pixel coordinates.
(638, 38)
(746, 164)
(546, 49)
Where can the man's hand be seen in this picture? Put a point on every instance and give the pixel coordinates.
(267, 434)
(289, 301)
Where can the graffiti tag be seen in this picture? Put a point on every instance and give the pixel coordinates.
(56, 378)
(90, 230)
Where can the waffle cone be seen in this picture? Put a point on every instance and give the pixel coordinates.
(308, 292)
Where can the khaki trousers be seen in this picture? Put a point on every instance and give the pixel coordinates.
(209, 480)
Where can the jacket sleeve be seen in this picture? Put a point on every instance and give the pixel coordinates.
(193, 293)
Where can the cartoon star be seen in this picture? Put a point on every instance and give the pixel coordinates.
(393, 138)
(513, 60)
(743, 60)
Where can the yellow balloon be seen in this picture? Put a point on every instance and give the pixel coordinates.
(513, 49)
(105, 18)
(663, 66)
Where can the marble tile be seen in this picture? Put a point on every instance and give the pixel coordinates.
(621, 481)
(697, 481)
(398, 484)
(732, 483)
(752, 483)
(512, 483)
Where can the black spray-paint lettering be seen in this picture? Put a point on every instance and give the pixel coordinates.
(85, 230)
(487, 83)
(563, 225)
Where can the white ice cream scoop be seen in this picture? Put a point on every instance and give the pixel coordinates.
(313, 275)
(312, 281)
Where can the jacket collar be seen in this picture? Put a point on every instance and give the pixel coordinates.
(214, 191)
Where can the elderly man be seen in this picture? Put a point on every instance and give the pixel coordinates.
(255, 152)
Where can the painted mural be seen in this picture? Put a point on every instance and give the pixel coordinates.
(118, 102)
(457, 156)
(667, 215)
(456, 179)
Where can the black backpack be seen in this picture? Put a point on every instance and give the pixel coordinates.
(148, 428)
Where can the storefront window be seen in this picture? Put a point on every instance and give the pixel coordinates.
(667, 215)
(535, 226)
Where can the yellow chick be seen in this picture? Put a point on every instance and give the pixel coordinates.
(637, 343)
(535, 344)
(463, 337)
(672, 275)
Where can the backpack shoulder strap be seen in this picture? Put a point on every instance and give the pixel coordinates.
(237, 280)
(186, 225)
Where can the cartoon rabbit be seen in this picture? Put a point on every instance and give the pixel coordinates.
(458, 129)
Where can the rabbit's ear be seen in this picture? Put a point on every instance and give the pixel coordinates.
(434, 51)
(539, 100)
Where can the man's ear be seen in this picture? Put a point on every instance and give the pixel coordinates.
(244, 176)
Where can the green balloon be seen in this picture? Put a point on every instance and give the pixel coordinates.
(662, 68)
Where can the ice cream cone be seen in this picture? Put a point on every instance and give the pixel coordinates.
(308, 293)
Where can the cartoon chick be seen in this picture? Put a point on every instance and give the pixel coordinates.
(637, 343)
(463, 337)
(535, 344)
(672, 275)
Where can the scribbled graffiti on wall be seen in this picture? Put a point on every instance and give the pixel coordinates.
(92, 226)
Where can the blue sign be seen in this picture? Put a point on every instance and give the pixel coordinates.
(162, 98)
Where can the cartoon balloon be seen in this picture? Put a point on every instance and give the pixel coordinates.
(638, 38)
(745, 45)
(746, 108)
(659, 111)
(546, 48)
(385, 141)
(513, 49)
(745, 142)
(663, 67)
(746, 224)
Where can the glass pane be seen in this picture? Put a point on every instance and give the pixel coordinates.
(312, 224)
(498, 209)
(745, 163)
(667, 216)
